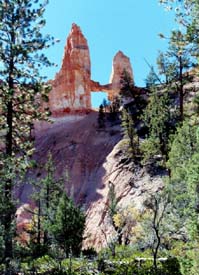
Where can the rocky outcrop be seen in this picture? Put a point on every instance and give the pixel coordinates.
(132, 186)
(120, 63)
(92, 157)
(72, 86)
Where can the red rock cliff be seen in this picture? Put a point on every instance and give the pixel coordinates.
(72, 86)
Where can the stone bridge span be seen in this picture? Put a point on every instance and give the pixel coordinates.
(72, 85)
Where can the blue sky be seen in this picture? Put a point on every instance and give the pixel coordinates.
(110, 25)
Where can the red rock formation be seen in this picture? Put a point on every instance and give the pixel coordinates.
(92, 157)
(120, 63)
(71, 86)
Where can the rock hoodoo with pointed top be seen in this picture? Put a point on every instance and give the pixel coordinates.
(71, 86)
(120, 63)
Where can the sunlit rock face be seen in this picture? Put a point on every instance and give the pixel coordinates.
(120, 63)
(71, 86)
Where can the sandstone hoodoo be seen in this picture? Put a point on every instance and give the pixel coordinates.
(120, 63)
(72, 86)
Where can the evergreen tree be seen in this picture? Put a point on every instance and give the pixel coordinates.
(151, 79)
(21, 90)
(180, 62)
(130, 132)
(68, 226)
(184, 149)
(187, 14)
(101, 117)
(112, 211)
(192, 175)
(165, 67)
(183, 45)
(112, 206)
(50, 191)
(105, 104)
(156, 118)
(174, 65)
(114, 109)
(127, 84)
(46, 195)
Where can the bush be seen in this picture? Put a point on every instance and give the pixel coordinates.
(89, 253)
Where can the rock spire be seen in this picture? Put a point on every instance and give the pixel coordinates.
(72, 86)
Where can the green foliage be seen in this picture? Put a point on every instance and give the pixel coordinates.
(187, 14)
(192, 175)
(130, 132)
(150, 149)
(156, 115)
(140, 265)
(156, 118)
(183, 147)
(21, 92)
(127, 85)
(101, 117)
(183, 164)
(165, 68)
(46, 194)
(113, 203)
(68, 226)
(105, 104)
(151, 79)
(155, 229)
(114, 110)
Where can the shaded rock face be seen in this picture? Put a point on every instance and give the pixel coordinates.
(72, 86)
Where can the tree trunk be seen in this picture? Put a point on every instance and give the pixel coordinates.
(8, 185)
(181, 92)
(47, 209)
(39, 228)
(155, 252)
(8, 252)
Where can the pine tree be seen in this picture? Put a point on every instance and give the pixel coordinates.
(50, 191)
(184, 148)
(165, 67)
(151, 79)
(105, 104)
(68, 226)
(180, 62)
(21, 90)
(112, 211)
(156, 118)
(127, 84)
(114, 109)
(187, 14)
(183, 48)
(46, 195)
(101, 117)
(174, 65)
(130, 132)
